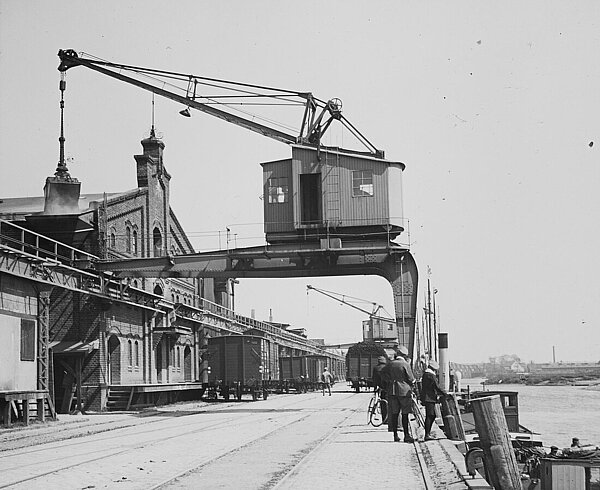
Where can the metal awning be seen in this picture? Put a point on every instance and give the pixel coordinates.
(73, 347)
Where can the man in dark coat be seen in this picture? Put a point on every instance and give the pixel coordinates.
(400, 381)
(381, 384)
(430, 390)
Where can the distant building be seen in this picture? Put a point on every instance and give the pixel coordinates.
(517, 367)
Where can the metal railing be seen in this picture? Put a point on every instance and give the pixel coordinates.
(51, 252)
(30, 242)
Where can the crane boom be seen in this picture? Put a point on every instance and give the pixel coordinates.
(317, 118)
(372, 314)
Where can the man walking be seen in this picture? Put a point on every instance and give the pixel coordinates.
(430, 391)
(327, 380)
(400, 381)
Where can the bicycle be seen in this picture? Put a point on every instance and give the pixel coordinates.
(374, 416)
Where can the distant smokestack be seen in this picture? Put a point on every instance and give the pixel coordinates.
(253, 314)
(444, 373)
(270, 315)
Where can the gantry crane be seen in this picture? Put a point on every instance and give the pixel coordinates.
(363, 249)
(377, 327)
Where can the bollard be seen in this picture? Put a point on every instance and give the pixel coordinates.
(500, 460)
(453, 426)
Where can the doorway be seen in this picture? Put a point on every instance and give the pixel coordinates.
(114, 360)
(187, 363)
(310, 199)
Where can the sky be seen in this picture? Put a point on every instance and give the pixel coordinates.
(494, 107)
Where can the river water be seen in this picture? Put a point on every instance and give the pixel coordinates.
(558, 413)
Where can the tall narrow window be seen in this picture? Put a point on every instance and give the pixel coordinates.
(130, 345)
(128, 239)
(134, 242)
(136, 353)
(157, 242)
(27, 340)
(278, 190)
(113, 240)
(362, 183)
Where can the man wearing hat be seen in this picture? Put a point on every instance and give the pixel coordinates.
(380, 383)
(430, 390)
(400, 381)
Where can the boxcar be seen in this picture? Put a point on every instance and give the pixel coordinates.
(360, 361)
(240, 364)
(303, 372)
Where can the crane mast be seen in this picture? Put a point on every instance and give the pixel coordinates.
(317, 117)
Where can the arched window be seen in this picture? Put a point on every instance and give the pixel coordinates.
(136, 354)
(130, 352)
(113, 240)
(128, 240)
(158, 290)
(157, 242)
(135, 242)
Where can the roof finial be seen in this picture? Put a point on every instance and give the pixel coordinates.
(62, 171)
(152, 132)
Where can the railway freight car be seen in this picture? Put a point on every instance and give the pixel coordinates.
(360, 361)
(303, 373)
(240, 364)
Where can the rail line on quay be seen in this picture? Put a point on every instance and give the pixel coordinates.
(290, 474)
(184, 431)
(197, 467)
(427, 480)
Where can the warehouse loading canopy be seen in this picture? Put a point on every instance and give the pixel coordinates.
(74, 347)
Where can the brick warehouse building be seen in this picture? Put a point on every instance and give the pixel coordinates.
(83, 339)
(101, 342)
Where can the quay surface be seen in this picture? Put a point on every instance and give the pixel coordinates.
(291, 441)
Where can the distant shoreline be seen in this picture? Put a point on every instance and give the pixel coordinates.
(589, 382)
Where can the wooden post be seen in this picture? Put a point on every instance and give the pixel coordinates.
(453, 426)
(41, 409)
(25, 405)
(78, 364)
(500, 460)
(6, 412)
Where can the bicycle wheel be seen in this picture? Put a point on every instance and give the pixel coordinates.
(370, 410)
(376, 418)
(384, 409)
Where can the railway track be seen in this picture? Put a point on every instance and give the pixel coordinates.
(27, 466)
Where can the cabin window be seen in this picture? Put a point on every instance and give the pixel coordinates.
(27, 340)
(278, 190)
(362, 183)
